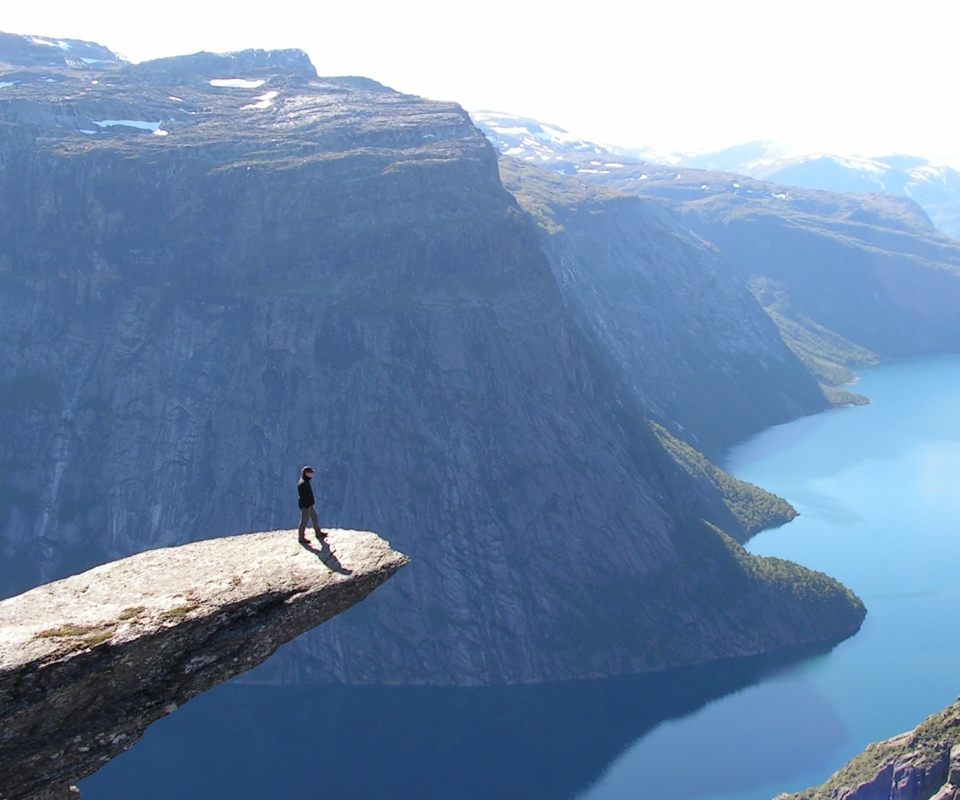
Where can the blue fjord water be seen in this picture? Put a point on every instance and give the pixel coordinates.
(878, 488)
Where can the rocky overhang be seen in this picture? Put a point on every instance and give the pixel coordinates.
(88, 662)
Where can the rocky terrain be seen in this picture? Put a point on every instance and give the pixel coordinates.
(918, 765)
(848, 279)
(87, 663)
(214, 269)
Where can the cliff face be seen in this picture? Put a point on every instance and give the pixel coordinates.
(319, 271)
(684, 335)
(847, 278)
(87, 663)
(918, 765)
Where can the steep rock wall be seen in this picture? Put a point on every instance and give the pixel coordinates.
(684, 335)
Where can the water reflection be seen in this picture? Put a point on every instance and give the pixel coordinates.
(739, 745)
(550, 741)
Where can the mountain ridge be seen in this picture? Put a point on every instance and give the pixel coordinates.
(848, 279)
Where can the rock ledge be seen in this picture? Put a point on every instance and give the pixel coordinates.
(88, 662)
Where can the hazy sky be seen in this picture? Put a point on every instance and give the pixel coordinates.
(853, 77)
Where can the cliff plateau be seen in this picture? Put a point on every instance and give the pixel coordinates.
(88, 662)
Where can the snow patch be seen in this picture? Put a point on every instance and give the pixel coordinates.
(91, 60)
(263, 101)
(614, 164)
(153, 127)
(508, 131)
(46, 42)
(175, 99)
(160, 132)
(236, 83)
(89, 133)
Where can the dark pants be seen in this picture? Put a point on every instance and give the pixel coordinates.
(307, 514)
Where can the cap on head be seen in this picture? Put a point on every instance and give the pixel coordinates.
(305, 470)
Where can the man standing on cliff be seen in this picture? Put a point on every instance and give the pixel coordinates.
(306, 502)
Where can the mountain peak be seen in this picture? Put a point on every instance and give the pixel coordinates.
(45, 51)
(242, 63)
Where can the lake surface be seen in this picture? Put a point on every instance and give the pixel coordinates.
(878, 488)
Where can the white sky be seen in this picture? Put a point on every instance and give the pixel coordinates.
(844, 76)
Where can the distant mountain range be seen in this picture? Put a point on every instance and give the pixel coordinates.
(935, 188)
(847, 278)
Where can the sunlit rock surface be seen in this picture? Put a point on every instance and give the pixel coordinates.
(87, 663)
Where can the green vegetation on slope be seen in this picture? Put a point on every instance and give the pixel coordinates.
(754, 508)
(724, 600)
(827, 354)
(925, 745)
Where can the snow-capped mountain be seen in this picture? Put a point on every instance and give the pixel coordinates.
(531, 140)
(550, 145)
(935, 188)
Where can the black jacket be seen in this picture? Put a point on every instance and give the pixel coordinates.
(305, 491)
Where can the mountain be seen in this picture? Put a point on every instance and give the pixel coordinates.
(632, 276)
(848, 279)
(936, 188)
(42, 51)
(217, 268)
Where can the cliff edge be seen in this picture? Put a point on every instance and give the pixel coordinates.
(918, 765)
(88, 662)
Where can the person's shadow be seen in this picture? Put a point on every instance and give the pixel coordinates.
(326, 555)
